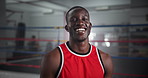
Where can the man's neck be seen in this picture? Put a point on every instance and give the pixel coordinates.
(80, 47)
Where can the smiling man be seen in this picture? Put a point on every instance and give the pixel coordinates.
(77, 58)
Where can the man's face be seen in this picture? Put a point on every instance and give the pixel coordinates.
(78, 25)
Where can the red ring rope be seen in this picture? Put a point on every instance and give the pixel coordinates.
(123, 41)
(136, 75)
(21, 65)
(37, 66)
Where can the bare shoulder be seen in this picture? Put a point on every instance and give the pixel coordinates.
(54, 54)
(107, 61)
(50, 64)
(104, 55)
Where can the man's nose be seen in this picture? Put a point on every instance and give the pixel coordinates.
(80, 22)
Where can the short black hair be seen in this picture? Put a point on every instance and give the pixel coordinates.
(74, 8)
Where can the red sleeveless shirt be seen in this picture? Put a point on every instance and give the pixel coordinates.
(74, 65)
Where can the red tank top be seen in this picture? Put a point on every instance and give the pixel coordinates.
(76, 65)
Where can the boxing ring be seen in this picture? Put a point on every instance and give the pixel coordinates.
(127, 44)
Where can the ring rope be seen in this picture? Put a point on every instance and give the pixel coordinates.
(61, 27)
(38, 66)
(32, 52)
(120, 41)
(135, 75)
(20, 65)
(26, 52)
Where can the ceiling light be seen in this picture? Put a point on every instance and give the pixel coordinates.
(27, 0)
(49, 11)
(51, 5)
(11, 1)
(101, 8)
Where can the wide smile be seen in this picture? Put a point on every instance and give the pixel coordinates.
(80, 30)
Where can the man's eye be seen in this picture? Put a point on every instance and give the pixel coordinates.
(73, 19)
(85, 19)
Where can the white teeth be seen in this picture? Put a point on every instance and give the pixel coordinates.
(80, 29)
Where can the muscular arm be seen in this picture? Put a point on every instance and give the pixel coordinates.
(107, 61)
(50, 64)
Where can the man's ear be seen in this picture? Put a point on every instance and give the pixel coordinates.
(66, 28)
(90, 24)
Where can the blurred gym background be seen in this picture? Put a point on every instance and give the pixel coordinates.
(31, 28)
